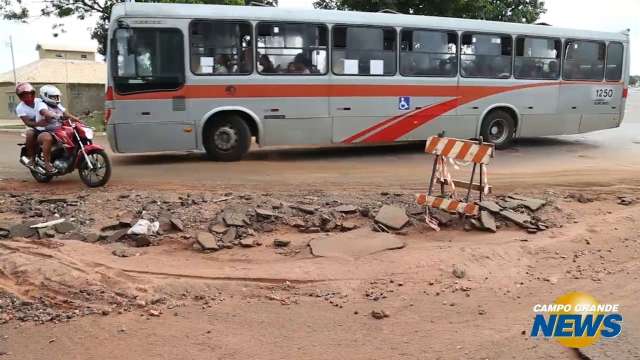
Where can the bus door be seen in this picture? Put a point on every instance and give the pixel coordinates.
(585, 99)
(148, 72)
(605, 99)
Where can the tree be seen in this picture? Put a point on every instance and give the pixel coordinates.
(101, 9)
(521, 11)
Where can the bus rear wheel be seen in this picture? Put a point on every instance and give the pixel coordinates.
(498, 128)
(227, 138)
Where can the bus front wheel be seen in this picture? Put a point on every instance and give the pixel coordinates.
(227, 139)
(498, 128)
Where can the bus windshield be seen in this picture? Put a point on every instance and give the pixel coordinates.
(147, 60)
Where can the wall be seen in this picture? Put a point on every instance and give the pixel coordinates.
(70, 55)
(77, 98)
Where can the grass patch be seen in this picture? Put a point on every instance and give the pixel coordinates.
(94, 120)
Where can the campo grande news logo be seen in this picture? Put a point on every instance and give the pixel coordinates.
(576, 320)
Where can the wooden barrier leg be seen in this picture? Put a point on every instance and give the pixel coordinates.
(433, 174)
(481, 182)
(473, 173)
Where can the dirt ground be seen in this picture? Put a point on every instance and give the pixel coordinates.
(72, 299)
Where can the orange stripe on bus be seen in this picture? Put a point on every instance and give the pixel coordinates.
(325, 90)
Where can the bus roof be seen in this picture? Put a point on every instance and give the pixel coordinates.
(259, 13)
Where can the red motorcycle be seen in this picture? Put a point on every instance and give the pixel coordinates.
(73, 149)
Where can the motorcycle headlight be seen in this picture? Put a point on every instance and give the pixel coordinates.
(88, 133)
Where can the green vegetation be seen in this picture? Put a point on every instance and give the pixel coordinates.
(82, 9)
(520, 11)
(94, 120)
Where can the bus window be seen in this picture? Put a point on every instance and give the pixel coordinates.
(486, 56)
(615, 54)
(364, 51)
(147, 60)
(292, 49)
(537, 58)
(221, 48)
(428, 53)
(584, 60)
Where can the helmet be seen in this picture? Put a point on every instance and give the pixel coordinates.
(25, 87)
(50, 95)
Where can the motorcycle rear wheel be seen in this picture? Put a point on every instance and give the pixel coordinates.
(101, 172)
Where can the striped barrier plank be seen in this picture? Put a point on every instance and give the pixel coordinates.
(462, 150)
(449, 205)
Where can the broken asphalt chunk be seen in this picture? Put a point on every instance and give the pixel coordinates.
(304, 209)
(488, 221)
(235, 218)
(265, 213)
(491, 206)
(65, 227)
(22, 230)
(116, 236)
(530, 203)
(207, 241)
(354, 244)
(281, 242)
(177, 224)
(346, 209)
(392, 217)
(519, 219)
(230, 235)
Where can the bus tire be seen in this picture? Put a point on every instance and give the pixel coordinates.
(228, 138)
(498, 128)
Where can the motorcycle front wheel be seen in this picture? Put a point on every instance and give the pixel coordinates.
(100, 172)
(41, 178)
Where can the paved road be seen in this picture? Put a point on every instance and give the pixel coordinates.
(603, 157)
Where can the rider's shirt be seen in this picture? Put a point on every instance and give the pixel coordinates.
(53, 124)
(24, 110)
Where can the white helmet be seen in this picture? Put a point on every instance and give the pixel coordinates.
(50, 95)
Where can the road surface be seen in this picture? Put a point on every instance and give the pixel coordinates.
(602, 157)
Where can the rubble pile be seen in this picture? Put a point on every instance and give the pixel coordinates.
(515, 209)
(229, 220)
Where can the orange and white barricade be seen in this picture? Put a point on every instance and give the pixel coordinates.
(477, 153)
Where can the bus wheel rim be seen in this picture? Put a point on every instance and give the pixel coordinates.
(225, 138)
(498, 131)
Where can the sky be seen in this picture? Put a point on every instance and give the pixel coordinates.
(611, 15)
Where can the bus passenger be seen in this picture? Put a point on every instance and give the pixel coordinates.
(267, 65)
(222, 64)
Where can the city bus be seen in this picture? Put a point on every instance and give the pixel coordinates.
(187, 77)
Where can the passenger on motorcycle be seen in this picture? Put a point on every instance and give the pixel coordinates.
(26, 111)
(53, 113)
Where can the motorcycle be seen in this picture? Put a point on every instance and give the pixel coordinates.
(73, 149)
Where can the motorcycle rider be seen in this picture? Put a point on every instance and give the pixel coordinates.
(26, 111)
(53, 113)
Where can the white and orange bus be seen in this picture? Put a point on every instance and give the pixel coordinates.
(210, 78)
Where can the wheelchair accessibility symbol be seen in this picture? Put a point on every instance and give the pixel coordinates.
(404, 103)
